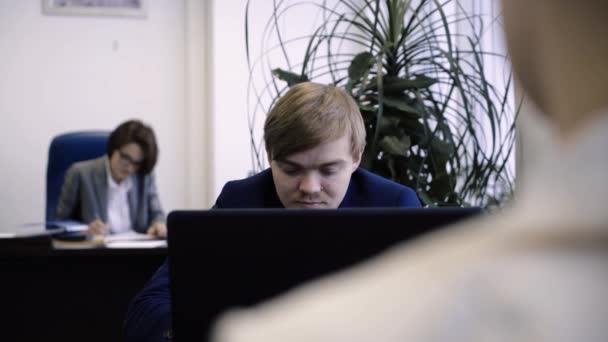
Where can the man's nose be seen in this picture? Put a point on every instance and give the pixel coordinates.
(310, 183)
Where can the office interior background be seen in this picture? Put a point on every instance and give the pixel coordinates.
(181, 68)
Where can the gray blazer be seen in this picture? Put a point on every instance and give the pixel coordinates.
(84, 196)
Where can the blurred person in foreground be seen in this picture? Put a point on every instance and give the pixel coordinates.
(314, 137)
(535, 272)
(116, 193)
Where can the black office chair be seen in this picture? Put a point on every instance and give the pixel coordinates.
(65, 150)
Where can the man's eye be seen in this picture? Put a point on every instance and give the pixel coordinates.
(290, 171)
(329, 171)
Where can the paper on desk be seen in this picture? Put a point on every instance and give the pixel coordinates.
(128, 236)
(133, 240)
(137, 244)
(8, 235)
(68, 225)
(32, 229)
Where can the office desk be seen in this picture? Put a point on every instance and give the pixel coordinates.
(69, 295)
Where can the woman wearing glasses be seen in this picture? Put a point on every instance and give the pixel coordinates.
(116, 193)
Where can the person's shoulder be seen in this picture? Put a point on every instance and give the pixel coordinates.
(85, 166)
(379, 191)
(372, 179)
(257, 179)
(147, 178)
(517, 281)
(247, 192)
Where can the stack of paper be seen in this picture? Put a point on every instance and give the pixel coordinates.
(68, 225)
(92, 241)
(133, 240)
(29, 230)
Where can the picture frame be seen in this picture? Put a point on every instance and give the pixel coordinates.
(123, 8)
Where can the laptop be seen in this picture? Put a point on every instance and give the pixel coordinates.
(225, 258)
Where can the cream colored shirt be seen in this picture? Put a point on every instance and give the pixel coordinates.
(536, 272)
(119, 215)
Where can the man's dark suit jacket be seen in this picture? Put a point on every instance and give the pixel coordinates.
(149, 314)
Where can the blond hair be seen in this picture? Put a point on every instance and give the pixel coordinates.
(310, 114)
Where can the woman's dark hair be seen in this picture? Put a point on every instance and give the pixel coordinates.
(134, 131)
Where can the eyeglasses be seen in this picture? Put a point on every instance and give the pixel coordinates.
(127, 159)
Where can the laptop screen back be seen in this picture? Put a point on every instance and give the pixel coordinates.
(238, 257)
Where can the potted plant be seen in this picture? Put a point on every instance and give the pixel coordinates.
(434, 121)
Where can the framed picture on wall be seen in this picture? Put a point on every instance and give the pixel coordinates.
(129, 8)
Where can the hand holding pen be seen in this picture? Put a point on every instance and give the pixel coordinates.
(97, 227)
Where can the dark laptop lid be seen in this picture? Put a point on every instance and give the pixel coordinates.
(238, 257)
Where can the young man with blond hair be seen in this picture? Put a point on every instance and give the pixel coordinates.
(314, 138)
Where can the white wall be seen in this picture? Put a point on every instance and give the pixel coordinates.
(229, 87)
(63, 73)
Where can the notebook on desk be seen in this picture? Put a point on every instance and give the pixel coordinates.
(238, 257)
